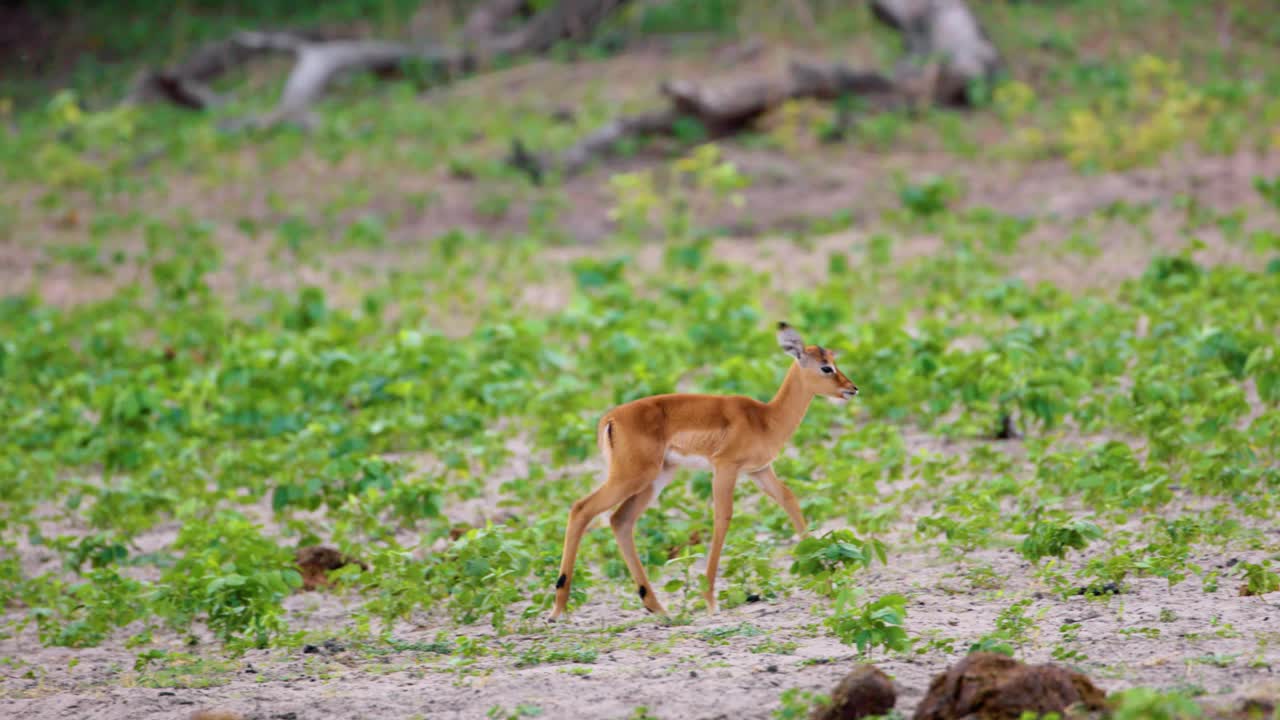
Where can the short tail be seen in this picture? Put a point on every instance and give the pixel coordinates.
(604, 437)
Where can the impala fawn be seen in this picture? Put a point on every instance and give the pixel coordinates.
(644, 441)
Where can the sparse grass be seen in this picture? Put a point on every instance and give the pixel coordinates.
(179, 670)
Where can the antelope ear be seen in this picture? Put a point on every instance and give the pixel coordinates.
(790, 342)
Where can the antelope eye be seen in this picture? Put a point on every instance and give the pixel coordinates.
(827, 369)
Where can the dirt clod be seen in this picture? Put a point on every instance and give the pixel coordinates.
(328, 647)
(1251, 707)
(1259, 701)
(864, 692)
(1245, 591)
(1007, 429)
(1100, 589)
(315, 561)
(997, 687)
(1256, 709)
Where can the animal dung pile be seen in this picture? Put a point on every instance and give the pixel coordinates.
(992, 686)
(982, 686)
(315, 562)
(862, 693)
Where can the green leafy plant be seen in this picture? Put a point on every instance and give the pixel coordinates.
(823, 558)
(231, 575)
(928, 197)
(1011, 629)
(1259, 578)
(1269, 189)
(870, 624)
(796, 704)
(1053, 539)
(1145, 703)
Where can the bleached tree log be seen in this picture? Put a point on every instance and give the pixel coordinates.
(720, 111)
(187, 83)
(319, 60)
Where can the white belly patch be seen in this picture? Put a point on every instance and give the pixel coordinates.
(663, 480)
(695, 462)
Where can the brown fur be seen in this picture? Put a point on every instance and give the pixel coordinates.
(862, 693)
(992, 686)
(645, 440)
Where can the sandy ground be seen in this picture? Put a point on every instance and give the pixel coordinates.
(715, 667)
(678, 672)
(672, 671)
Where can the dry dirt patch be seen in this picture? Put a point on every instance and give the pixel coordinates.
(732, 665)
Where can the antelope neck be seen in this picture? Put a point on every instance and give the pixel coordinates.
(789, 405)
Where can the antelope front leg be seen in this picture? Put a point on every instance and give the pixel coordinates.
(767, 480)
(726, 477)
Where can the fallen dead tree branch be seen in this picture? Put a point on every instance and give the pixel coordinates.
(317, 63)
(187, 83)
(597, 144)
(947, 51)
(719, 111)
(320, 60)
